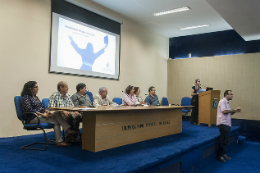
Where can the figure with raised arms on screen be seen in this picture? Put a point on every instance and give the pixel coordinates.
(88, 56)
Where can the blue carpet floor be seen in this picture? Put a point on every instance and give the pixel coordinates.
(245, 159)
(128, 158)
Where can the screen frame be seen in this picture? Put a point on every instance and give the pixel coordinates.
(58, 70)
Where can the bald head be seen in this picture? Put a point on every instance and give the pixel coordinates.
(63, 87)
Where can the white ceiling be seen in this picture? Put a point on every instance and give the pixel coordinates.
(220, 14)
(242, 15)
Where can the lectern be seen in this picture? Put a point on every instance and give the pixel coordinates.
(208, 104)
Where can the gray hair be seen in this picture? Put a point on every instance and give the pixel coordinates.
(61, 83)
(101, 89)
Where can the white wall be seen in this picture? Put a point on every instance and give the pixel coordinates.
(240, 73)
(25, 44)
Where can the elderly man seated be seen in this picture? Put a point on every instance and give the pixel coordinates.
(102, 98)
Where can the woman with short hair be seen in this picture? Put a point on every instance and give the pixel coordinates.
(129, 97)
(137, 94)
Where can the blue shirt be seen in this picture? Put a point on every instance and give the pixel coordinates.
(32, 104)
(152, 100)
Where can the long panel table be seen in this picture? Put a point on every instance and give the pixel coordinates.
(108, 127)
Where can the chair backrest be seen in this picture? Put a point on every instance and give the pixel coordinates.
(165, 101)
(117, 100)
(186, 101)
(45, 102)
(90, 96)
(18, 106)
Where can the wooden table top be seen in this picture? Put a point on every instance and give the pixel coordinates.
(116, 108)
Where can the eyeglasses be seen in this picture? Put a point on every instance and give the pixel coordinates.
(36, 87)
(230, 94)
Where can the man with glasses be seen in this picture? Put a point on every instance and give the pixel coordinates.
(224, 123)
(61, 98)
(152, 98)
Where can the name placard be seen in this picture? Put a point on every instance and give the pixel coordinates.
(145, 125)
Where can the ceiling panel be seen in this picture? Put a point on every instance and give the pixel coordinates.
(220, 14)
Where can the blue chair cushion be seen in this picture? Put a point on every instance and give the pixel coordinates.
(18, 106)
(117, 100)
(45, 102)
(184, 110)
(165, 101)
(186, 101)
(41, 125)
(90, 96)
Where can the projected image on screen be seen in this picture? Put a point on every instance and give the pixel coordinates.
(79, 48)
(84, 48)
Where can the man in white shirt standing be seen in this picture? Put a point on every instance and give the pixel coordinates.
(224, 123)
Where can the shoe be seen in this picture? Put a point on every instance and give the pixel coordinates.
(71, 139)
(62, 144)
(226, 157)
(71, 132)
(221, 159)
(74, 140)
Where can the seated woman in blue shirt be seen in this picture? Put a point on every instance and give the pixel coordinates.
(31, 103)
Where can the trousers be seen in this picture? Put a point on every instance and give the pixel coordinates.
(194, 113)
(57, 120)
(224, 136)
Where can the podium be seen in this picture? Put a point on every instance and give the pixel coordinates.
(208, 104)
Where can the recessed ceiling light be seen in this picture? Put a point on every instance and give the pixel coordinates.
(193, 27)
(172, 11)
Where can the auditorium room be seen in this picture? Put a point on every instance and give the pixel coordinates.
(130, 86)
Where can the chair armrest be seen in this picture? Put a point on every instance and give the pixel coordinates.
(29, 115)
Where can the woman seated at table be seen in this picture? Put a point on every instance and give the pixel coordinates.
(31, 103)
(129, 98)
(138, 97)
